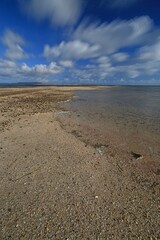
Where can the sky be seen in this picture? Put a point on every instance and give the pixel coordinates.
(80, 41)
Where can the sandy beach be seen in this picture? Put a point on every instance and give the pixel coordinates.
(57, 184)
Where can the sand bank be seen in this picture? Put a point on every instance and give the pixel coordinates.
(55, 186)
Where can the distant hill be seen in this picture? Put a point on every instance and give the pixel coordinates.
(23, 84)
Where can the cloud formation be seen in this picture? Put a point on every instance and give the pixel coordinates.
(105, 47)
(150, 52)
(60, 12)
(115, 35)
(73, 50)
(93, 53)
(120, 56)
(95, 40)
(40, 70)
(14, 43)
(9, 69)
(66, 64)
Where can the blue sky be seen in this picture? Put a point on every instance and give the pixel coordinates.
(80, 41)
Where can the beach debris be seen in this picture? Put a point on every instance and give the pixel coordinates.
(136, 156)
(25, 175)
(67, 100)
(100, 149)
(76, 133)
(9, 209)
(62, 112)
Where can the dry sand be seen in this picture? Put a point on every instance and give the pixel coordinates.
(55, 186)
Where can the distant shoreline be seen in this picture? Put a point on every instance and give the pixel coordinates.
(25, 85)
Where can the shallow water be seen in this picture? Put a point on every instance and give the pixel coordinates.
(130, 113)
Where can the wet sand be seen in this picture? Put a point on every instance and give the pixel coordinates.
(58, 182)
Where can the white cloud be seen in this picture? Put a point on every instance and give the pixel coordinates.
(120, 57)
(138, 68)
(104, 69)
(103, 46)
(96, 40)
(75, 49)
(60, 12)
(115, 35)
(133, 73)
(150, 52)
(9, 69)
(40, 70)
(6, 63)
(103, 60)
(66, 64)
(104, 64)
(14, 43)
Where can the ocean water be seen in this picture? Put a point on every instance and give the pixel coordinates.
(129, 113)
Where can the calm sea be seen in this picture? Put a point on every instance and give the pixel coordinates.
(131, 113)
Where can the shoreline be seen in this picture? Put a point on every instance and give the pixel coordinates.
(55, 186)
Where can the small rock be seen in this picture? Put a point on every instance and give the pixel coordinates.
(136, 156)
(157, 172)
